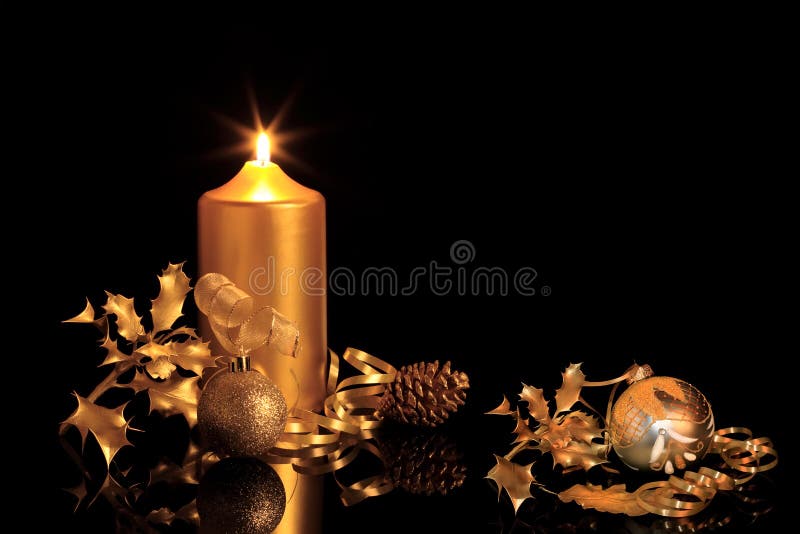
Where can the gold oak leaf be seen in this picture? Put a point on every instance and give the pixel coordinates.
(503, 409)
(86, 316)
(107, 425)
(129, 324)
(576, 453)
(515, 479)
(168, 305)
(537, 405)
(176, 395)
(570, 389)
(614, 500)
(192, 354)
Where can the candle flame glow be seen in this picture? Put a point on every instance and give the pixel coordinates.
(262, 149)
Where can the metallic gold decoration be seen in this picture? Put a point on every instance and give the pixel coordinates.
(512, 478)
(240, 495)
(241, 413)
(743, 456)
(682, 427)
(154, 356)
(311, 443)
(568, 435)
(315, 443)
(238, 323)
(108, 426)
(615, 500)
(661, 423)
(424, 394)
(266, 233)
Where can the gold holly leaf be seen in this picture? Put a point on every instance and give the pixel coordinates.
(86, 316)
(515, 479)
(570, 390)
(503, 409)
(168, 305)
(129, 324)
(162, 515)
(537, 405)
(582, 427)
(113, 355)
(192, 354)
(107, 425)
(182, 331)
(79, 492)
(576, 453)
(174, 474)
(176, 395)
(523, 430)
(556, 434)
(188, 513)
(614, 500)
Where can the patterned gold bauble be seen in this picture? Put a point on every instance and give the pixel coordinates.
(241, 413)
(241, 495)
(661, 423)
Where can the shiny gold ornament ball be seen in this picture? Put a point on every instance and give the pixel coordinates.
(241, 495)
(241, 413)
(661, 423)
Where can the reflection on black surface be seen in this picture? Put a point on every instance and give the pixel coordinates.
(204, 494)
(304, 495)
(733, 510)
(426, 466)
(422, 462)
(240, 495)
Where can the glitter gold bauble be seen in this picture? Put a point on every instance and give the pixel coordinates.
(661, 423)
(242, 495)
(241, 413)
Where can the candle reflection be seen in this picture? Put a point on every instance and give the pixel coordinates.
(304, 493)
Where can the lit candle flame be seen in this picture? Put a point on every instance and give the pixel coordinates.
(262, 149)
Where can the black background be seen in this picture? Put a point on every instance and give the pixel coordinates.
(640, 175)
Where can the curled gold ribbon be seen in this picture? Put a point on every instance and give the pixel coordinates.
(315, 443)
(237, 323)
(668, 498)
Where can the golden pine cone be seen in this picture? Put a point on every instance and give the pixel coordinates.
(423, 463)
(424, 394)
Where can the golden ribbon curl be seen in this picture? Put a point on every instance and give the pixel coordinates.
(313, 443)
(668, 498)
(236, 322)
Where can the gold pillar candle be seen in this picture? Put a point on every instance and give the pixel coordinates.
(266, 233)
